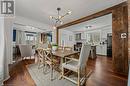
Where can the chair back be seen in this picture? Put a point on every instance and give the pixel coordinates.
(47, 54)
(84, 54)
(26, 50)
(45, 45)
(40, 53)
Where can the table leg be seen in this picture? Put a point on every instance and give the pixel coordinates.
(61, 69)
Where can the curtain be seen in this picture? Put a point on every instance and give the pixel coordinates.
(8, 56)
(20, 37)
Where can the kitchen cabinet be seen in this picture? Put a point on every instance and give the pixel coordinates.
(78, 36)
(83, 35)
(101, 49)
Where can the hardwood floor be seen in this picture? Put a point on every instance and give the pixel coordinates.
(102, 74)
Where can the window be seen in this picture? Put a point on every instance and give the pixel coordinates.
(31, 38)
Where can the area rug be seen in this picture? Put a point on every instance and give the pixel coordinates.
(42, 79)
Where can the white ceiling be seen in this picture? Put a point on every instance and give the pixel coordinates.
(27, 28)
(97, 23)
(40, 10)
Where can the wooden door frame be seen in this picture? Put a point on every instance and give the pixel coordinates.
(93, 16)
(110, 10)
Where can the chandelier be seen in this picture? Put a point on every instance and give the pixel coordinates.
(59, 17)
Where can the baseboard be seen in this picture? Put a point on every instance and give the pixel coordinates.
(101, 55)
(5, 80)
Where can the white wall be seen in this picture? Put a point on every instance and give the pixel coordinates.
(65, 35)
(1, 49)
(54, 36)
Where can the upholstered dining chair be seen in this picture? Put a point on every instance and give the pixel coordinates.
(26, 51)
(77, 65)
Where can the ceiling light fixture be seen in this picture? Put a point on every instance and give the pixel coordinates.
(88, 27)
(58, 19)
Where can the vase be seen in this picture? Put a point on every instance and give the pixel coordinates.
(54, 48)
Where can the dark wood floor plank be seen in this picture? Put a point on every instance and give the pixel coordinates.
(102, 75)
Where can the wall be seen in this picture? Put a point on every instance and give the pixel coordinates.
(1, 49)
(120, 45)
(54, 36)
(66, 36)
(129, 29)
(129, 40)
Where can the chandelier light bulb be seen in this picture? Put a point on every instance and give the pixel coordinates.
(61, 22)
(51, 17)
(59, 17)
(54, 27)
(69, 12)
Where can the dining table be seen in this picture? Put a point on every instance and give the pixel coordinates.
(64, 53)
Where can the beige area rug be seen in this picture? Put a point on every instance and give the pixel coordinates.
(42, 79)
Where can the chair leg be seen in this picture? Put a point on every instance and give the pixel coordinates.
(51, 72)
(78, 78)
(62, 72)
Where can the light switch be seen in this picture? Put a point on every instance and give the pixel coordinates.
(123, 35)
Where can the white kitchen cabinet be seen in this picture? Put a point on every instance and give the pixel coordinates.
(83, 35)
(78, 36)
(101, 49)
(98, 49)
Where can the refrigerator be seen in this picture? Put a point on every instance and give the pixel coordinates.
(109, 44)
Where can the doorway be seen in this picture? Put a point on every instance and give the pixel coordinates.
(119, 27)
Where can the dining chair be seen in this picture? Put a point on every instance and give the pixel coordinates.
(50, 61)
(40, 57)
(45, 45)
(77, 65)
(26, 51)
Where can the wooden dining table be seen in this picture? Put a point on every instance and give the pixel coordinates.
(64, 53)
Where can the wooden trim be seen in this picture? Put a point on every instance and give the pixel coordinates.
(95, 15)
(57, 36)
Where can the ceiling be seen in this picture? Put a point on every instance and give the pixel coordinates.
(97, 23)
(40, 10)
(22, 27)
